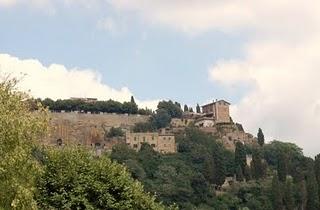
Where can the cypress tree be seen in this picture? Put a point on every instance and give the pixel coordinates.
(302, 194)
(312, 191)
(288, 196)
(219, 166)
(260, 137)
(276, 194)
(198, 109)
(190, 109)
(240, 156)
(132, 100)
(257, 167)
(317, 168)
(282, 167)
(247, 173)
(185, 108)
(239, 174)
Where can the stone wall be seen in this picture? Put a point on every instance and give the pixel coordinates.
(87, 129)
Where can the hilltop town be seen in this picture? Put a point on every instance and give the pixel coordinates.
(91, 128)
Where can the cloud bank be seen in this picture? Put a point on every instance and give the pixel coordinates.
(58, 82)
(281, 62)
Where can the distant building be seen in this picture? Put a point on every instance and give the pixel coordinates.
(160, 141)
(219, 110)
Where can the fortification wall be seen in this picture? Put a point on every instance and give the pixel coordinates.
(87, 129)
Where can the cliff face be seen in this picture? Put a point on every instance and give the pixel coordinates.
(87, 129)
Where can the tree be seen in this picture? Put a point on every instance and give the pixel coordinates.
(276, 194)
(191, 109)
(115, 132)
(132, 100)
(257, 166)
(20, 129)
(288, 195)
(161, 119)
(185, 109)
(198, 109)
(220, 169)
(173, 109)
(312, 191)
(282, 167)
(74, 179)
(239, 174)
(260, 137)
(240, 156)
(317, 168)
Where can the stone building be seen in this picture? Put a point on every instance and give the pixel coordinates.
(162, 141)
(181, 122)
(219, 110)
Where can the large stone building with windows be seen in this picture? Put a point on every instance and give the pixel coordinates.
(162, 141)
(218, 110)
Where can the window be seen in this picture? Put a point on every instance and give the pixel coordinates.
(169, 138)
(135, 138)
(135, 146)
(144, 139)
(152, 137)
(153, 145)
(164, 138)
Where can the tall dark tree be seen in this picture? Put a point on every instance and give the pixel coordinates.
(132, 100)
(312, 190)
(317, 169)
(301, 196)
(239, 174)
(288, 195)
(185, 108)
(220, 168)
(282, 167)
(190, 109)
(257, 166)
(260, 137)
(240, 156)
(247, 173)
(276, 194)
(198, 109)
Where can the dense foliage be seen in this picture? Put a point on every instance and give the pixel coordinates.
(19, 131)
(279, 176)
(109, 106)
(161, 118)
(61, 178)
(74, 179)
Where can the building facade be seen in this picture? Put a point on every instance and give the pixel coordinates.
(219, 110)
(161, 142)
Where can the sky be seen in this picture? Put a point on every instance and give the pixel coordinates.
(261, 56)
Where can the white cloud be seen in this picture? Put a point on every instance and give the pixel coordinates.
(56, 81)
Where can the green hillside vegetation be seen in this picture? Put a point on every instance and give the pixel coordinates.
(35, 177)
(280, 176)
